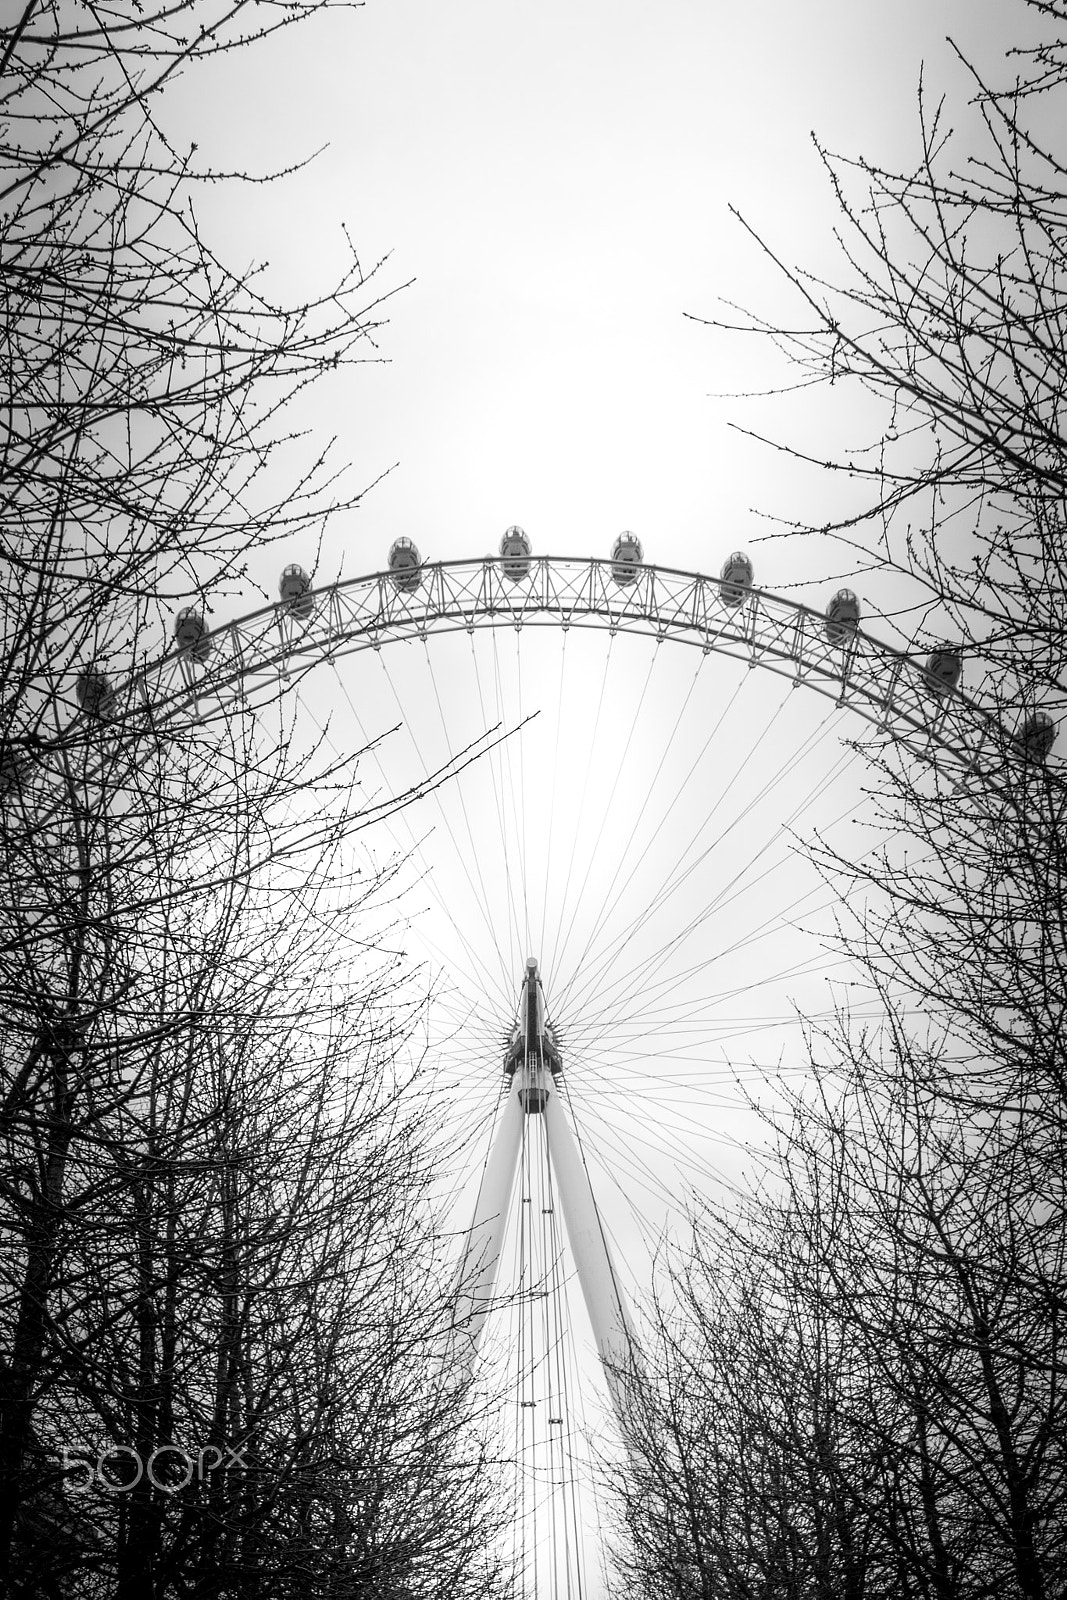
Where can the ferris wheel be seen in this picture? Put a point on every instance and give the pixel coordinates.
(601, 896)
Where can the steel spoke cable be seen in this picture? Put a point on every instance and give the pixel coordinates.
(674, 1168)
(469, 1034)
(698, 1093)
(606, 1233)
(678, 874)
(775, 923)
(613, 791)
(731, 1027)
(559, 941)
(517, 851)
(506, 965)
(497, 782)
(653, 962)
(687, 1101)
(427, 875)
(552, 795)
(573, 1403)
(485, 1020)
(713, 907)
(615, 1063)
(524, 1355)
(503, 787)
(625, 1073)
(522, 797)
(628, 1063)
(680, 790)
(475, 1008)
(507, 793)
(481, 894)
(628, 1160)
(813, 964)
(570, 1467)
(694, 1028)
(415, 846)
(682, 1128)
(458, 1180)
(641, 1178)
(607, 908)
(738, 883)
(750, 862)
(697, 1022)
(556, 1487)
(567, 1462)
(642, 1019)
(653, 1016)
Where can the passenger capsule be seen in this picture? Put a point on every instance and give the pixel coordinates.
(1036, 735)
(942, 671)
(294, 586)
(626, 557)
(191, 634)
(736, 578)
(405, 565)
(516, 549)
(95, 695)
(842, 616)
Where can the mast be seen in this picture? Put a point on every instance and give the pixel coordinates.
(534, 1071)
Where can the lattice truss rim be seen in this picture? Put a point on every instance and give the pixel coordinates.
(250, 658)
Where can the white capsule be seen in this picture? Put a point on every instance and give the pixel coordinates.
(405, 565)
(626, 557)
(735, 579)
(294, 587)
(842, 616)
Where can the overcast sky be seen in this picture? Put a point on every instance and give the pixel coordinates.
(555, 178)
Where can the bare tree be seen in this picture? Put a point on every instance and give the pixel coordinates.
(213, 1235)
(948, 315)
(747, 1447)
(858, 1383)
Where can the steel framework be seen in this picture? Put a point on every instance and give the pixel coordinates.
(253, 658)
(535, 1071)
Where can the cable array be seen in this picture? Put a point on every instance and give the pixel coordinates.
(636, 826)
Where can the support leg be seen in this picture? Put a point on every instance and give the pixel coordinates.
(601, 1288)
(481, 1252)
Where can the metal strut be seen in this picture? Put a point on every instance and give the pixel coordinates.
(533, 1066)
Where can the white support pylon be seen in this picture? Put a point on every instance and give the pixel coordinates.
(481, 1250)
(601, 1289)
(534, 1067)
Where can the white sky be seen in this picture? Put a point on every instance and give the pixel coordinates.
(556, 179)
